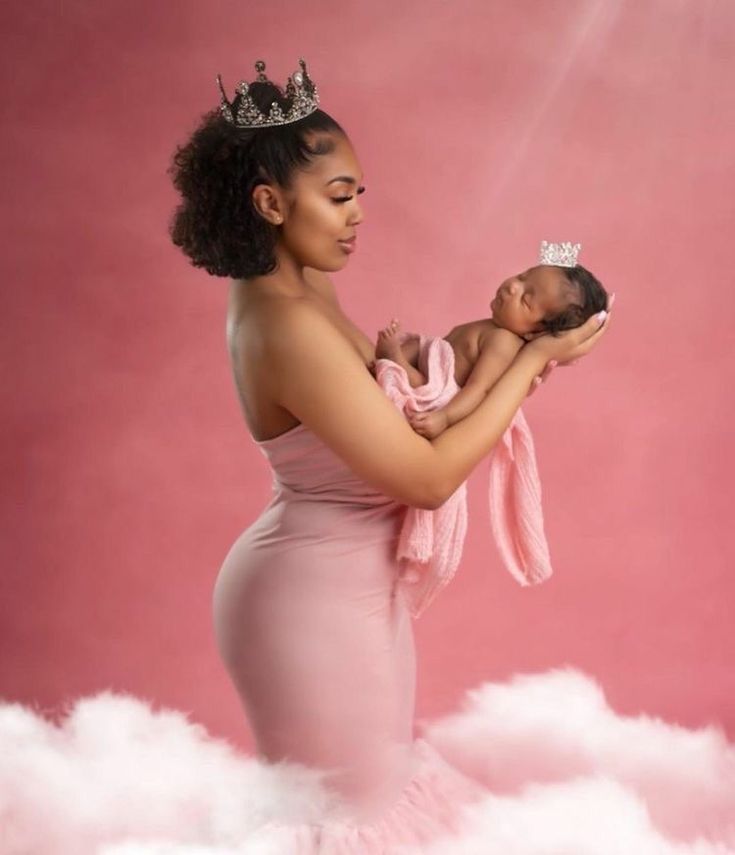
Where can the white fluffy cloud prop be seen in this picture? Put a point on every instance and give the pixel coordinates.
(562, 774)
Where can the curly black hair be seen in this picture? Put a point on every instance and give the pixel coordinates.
(216, 225)
(587, 288)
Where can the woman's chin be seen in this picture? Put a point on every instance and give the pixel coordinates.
(327, 265)
(340, 264)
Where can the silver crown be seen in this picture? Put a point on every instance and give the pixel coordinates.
(300, 91)
(560, 254)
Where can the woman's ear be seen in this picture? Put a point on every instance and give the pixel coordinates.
(268, 203)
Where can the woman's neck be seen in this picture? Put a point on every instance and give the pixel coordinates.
(287, 280)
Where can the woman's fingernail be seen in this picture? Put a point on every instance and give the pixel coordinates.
(601, 316)
(553, 363)
(611, 301)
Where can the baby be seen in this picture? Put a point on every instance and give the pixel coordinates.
(547, 298)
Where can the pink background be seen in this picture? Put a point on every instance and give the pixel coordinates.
(481, 128)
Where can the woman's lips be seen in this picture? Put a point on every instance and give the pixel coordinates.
(348, 245)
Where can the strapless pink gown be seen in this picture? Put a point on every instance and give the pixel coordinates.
(315, 634)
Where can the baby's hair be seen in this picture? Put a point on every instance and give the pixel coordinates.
(215, 171)
(591, 298)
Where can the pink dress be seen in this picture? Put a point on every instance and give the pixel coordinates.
(318, 640)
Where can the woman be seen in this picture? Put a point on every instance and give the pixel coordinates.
(307, 614)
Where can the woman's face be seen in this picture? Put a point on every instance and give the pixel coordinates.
(522, 301)
(322, 209)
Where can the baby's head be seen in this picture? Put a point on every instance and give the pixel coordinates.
(548, 298)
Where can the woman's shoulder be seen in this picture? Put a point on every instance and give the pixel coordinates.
(298, 327)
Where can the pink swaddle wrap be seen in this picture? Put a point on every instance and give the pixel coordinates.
(431, 541)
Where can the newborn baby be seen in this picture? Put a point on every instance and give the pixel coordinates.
(544, 299)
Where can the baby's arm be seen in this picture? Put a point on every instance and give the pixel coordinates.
(498, 349)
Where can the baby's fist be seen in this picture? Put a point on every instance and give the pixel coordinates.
(429, 425)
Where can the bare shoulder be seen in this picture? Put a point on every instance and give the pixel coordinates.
(298, 328)
(476, 335)
(498, 338)
(466, 334)
(462, 329)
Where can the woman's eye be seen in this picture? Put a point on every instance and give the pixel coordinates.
(347, 198)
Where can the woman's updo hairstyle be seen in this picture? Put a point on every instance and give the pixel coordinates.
(216, 225)
(593, 296)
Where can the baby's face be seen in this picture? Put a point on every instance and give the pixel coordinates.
(522, 301)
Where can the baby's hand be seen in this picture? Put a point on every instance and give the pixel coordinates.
(431, 424)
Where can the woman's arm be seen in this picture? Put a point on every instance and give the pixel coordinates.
(320, 379)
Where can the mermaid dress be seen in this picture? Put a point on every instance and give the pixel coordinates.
(317, 638)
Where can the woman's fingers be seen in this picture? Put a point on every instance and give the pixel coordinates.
(542, 377)
(535, 383)
(550, 366)
(597, 331)
(589, 331)
(592, 336)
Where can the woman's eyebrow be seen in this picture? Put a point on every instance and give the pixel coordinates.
(348, 179)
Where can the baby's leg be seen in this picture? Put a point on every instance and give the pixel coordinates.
(406, 354)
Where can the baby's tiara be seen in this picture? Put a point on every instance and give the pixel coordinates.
(559, 254)
(301, 96)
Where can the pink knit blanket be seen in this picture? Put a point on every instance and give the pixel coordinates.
(431, 541)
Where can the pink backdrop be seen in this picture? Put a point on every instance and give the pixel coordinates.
(481, 128)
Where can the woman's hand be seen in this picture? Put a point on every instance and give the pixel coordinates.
(544, 375)
(566, 348)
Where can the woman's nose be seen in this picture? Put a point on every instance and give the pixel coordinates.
(356, 214)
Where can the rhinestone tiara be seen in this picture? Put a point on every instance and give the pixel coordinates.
(559, 254)
(300, 92)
